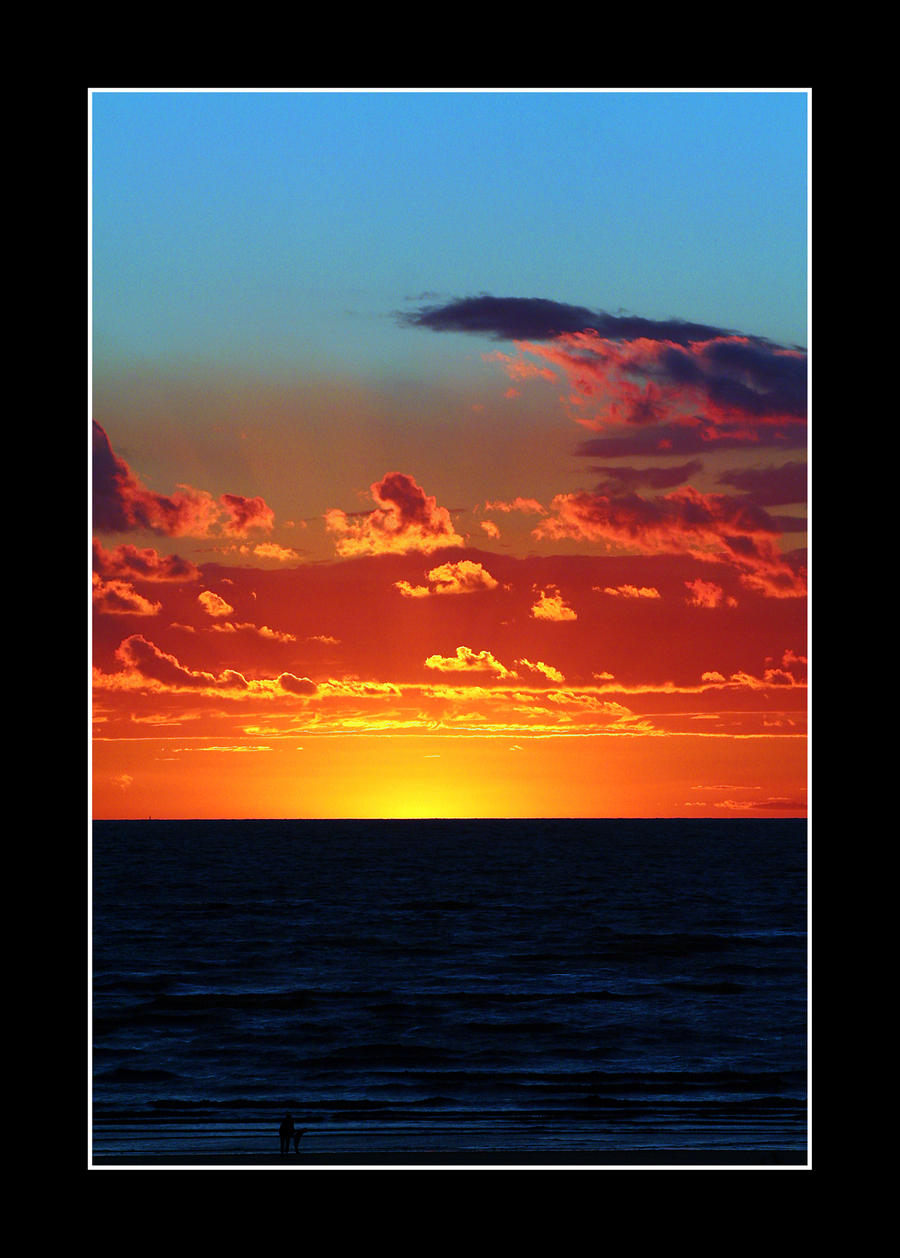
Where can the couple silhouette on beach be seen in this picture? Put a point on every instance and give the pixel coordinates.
(288, 1132)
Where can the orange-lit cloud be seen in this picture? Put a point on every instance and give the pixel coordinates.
(551, 605)
(405, 519)
(708, 594)
(463, 577)
(631, 591)
(538, 666)
(469, 661)
(214, 604)
(529, 505)
(271, 550)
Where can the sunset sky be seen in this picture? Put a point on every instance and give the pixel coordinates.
(449, 453)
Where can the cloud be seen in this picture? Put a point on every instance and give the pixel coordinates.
(246, 513)
(539, 319)
(770, 486)
(530, 505)
(707, 594)
(468, 661)
(631, 478)
(551, 606)
(121, 504)
(152, 664)
(271, 550)
(464, 577)
(640, 371)
(686, 521)
(213, 604)
(297, 685)
(118, 598)
(405, 519)
(693, 437)
(538, 666)
(129, 562)
(685, 387)
(260, 631)
(631, 591)
(490, 528)
(724, 381)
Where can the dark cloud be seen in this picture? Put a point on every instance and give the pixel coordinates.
(145, 564)
(618, 478)
(770, 486)
(696, 438)
(538, 319)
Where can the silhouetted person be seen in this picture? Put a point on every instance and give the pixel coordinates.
(285, 1131)
(298, 1132)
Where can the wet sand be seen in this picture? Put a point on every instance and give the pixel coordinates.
(666, 1159)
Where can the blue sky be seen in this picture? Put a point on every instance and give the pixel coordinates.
(279, 232)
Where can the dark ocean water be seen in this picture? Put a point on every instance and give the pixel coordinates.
(549, 989)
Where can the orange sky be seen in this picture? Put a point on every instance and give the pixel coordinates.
(411, 653)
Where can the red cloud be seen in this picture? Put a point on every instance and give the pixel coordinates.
(405, 518)
(121, 504)
(707, 594)
(118, 598)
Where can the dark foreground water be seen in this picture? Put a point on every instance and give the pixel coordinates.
(519, 991)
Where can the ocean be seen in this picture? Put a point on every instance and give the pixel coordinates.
(477, 993)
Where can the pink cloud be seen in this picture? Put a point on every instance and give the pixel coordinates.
(723, 380)
(707, 526)
(121, 504)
